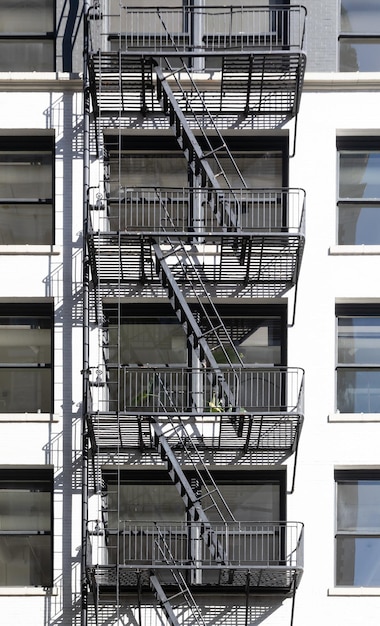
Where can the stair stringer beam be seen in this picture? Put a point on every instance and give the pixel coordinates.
(163, 600)
(183, 592)
(192, 503)
(194, 334)
(183, 126)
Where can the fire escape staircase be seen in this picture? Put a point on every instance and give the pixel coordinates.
(202, 157)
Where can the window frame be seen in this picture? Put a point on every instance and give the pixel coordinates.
(140, 310)
(31, 310)
(358, 310)
(222, 476)
(342, 476)
(44, 36)
(156, 144)
(352, 144)
(31, 143)
(10, 478)
(355, 36)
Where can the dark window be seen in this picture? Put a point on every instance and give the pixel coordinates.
(152, 337)
(358, 528)
(358, 358)
(359, 191)
(27, 36)
(140, 171)
(26, 190)
(26, 527)
(143, 505)
(26, 358)
(359, 41)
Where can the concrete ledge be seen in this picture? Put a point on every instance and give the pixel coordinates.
(354, 417)
(354, 591)
(28, 417)
(30, 250)
(354, 250)
(28, 591)
(40, 81)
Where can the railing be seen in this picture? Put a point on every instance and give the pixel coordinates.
(173, 389)
(200, 30)
(180, 544)
(197, 210)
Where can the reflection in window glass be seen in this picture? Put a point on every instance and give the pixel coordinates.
(359, 194)
(358, 224)
(358, 52)
(358, 390)
(358, 533)
(358, 364)
(26, 191)
(26, 362)
(360, 16)
(359, 340)
(31, 53)
(26, 527)
(359, 55)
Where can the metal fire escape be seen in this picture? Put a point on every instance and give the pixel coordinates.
(190, 243)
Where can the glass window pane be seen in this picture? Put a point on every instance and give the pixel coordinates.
(358, 391)
(155, 341)
(359, 54)
(25, 510)
(359, 224)
(22, 224)
(144, 503)
(252, 503)
(23, 55)
(256, 340)
(261, 170)
(25, 390)
(359, 340)
(166, 170)
(26, 561)
(34, 16)
(25, 345)
(359, 506)
(26, 174)
(359, 174)
(360, 16)
(358, 561)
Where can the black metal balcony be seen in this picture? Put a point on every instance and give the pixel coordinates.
(267, 414)
(246, 237)
(258, 50)
(261, 556)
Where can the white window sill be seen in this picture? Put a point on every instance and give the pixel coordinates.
(36, 250)
(28, 591)
(28, 417)
(354, 250)
(354, 591)
(354, 417)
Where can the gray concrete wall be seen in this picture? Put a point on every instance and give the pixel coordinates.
(322, 29)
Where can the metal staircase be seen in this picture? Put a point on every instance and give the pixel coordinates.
(199, 159)
(149, 74)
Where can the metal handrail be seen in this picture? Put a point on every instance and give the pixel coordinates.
(174, 389)
(246, 544)
(166, 209)
(201, 30)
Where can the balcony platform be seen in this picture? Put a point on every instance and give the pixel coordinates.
(267, 85)
(243, 433)
(223, 237)
(258, 53)
(260, 556)
(257, 580)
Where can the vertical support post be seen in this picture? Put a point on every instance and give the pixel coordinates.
(85, 278)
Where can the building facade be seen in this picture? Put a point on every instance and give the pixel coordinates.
(175, 451)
